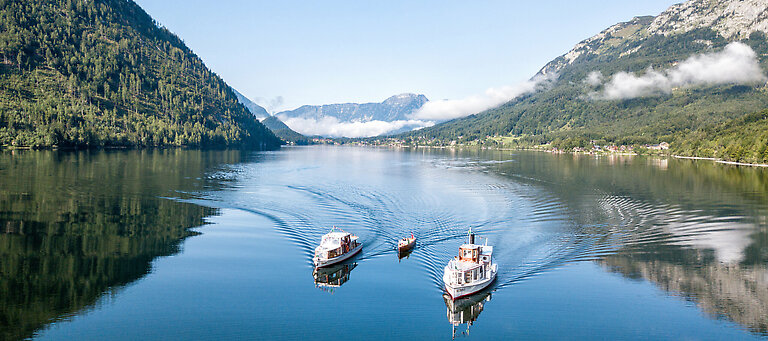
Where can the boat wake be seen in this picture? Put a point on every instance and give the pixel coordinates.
(533, 229)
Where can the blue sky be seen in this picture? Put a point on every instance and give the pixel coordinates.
(319, 52)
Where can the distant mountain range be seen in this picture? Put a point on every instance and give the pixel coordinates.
(696, 66)
(393, 115)
(273, 123)
(395, 108)
(254, 108)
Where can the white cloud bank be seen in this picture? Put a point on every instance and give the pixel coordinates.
(454, 108)
(736, 64)
(332, 127)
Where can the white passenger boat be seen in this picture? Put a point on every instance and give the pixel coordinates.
(473, 270)
(336, 246)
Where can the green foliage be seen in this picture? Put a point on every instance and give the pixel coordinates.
(77, 73)
(566, 114)
(284, 132)
(744, 139)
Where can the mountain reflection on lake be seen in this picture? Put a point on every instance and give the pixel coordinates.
(587, 247)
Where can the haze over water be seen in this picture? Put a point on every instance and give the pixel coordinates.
(608, 247)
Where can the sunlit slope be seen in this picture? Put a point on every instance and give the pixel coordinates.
(576, 105)
(103, 73)
(283, 131)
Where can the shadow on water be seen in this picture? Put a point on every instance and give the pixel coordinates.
(77, 225)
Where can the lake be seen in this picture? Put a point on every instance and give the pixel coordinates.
(186, 244)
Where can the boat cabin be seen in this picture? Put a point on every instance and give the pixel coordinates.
(336, 244)
(473, 263)
(469, 253)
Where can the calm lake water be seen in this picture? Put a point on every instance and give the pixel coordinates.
(177, 244)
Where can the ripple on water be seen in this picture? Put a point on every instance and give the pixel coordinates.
(533, 230)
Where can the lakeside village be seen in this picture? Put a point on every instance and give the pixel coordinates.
(593, 147)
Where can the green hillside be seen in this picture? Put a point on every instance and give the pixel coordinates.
(284, 132)
(744, 139)
(566, 107)
(102, 73)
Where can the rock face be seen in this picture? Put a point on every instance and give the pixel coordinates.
(731, 19)
(395, 108)
(577, 104)
(613, 36)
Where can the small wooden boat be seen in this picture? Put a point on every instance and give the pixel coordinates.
(406, 244)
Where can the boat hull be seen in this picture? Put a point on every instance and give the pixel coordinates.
(319, 263)
(467, 290)
(406, 247)
(459, 291)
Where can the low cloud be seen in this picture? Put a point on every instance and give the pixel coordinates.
(332, 127)
(271, 104)
(625, 85)
(736, 64)
(594, 78)
(454, 108)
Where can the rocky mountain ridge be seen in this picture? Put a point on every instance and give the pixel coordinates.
(695, 67)
(394, 108)
(730, 19)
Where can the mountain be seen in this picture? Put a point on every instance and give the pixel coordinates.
(284, 132)
(395, 108)
(273, 123)
(103, 73)
(696, 65)
(254, 108)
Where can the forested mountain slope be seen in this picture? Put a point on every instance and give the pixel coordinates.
(284, 132)
(589, 98)
(744, 139)
(91, 73)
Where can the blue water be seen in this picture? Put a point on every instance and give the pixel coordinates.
(588, 248)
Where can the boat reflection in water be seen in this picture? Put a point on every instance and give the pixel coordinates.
(334, 276)
(404, 254)
(466, 310)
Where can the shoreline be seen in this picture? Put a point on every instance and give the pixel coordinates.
(110, 148)
(716, 160)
